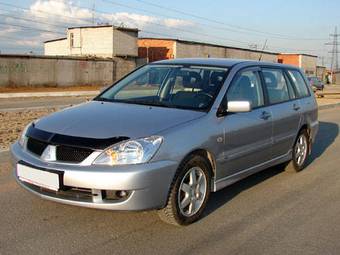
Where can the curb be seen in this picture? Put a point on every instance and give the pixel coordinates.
(49, 94)
(34, 108)
(328, 106)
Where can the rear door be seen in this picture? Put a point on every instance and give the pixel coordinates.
(285, 107)
(247, 135)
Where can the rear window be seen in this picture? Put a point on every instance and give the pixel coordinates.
(299, 83)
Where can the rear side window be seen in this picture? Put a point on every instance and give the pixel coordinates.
(277, 86)
(299, 83)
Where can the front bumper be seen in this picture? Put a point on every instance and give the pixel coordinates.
(147, 184)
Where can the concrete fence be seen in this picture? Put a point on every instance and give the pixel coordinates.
(27, 70)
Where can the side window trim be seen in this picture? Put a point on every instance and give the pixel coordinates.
(304, 81)
(291, 85)
(256, 69)
(265, 85)
(264, 89)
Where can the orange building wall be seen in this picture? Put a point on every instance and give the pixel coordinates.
(156, 49)
(289, 59)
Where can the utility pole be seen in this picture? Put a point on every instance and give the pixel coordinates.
(93, 12)
(335, 57)
(253, 46)
(264, 47)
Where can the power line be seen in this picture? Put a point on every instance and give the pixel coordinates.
(64, 17)
(279, 36)
(32, 20)
(93, 11)
(149, 22)
(15, 39)
(184, 30)
(172, 28)
(36, 29)
(150, 32)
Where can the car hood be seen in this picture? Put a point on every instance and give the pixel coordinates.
(100, 120)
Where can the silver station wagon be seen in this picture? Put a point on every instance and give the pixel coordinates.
(168, 134)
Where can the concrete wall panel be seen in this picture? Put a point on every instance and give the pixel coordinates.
(16, 71)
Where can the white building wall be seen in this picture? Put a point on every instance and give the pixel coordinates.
(125, 43)
(103, 41)
(56, 48)
(91, 41)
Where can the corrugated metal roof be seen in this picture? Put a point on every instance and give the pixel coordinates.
(210, 44)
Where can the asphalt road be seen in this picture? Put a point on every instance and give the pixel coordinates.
(272, 212)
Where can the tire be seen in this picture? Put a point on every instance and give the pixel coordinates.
(186, 207)
(300, 153)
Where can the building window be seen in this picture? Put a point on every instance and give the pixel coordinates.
(71, 40)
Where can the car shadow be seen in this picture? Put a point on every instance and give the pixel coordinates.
(328, 131)
(327, 134)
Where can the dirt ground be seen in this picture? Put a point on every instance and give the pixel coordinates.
(13, 122)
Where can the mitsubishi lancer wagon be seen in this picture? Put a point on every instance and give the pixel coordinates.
(168, 134)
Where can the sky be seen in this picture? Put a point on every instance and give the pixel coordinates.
(302, 26)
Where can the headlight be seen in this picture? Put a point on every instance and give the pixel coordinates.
(23, 138)
(130, 152)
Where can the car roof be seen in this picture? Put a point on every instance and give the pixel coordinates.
(220, 62)
(202, 61)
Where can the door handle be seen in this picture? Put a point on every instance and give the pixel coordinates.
(265, 115)
(296, 107)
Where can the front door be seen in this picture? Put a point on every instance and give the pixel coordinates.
(247, 135)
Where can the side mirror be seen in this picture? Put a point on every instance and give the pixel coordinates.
(239, 106)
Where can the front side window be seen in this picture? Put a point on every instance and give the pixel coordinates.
(175, 86)
(276, 85)
(299, 83)
(246, 87)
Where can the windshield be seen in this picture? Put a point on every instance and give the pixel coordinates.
(174, 86)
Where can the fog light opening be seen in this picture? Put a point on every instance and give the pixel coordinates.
(114, 194)
(121, 193)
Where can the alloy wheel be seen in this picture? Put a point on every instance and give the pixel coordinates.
(192, 191)
(301, 150)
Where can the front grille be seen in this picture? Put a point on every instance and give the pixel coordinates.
(63, 153)
(35, 146)
(72, 154)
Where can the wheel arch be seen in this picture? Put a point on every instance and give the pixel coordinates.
(207, 155)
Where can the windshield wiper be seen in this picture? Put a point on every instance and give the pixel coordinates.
(149, 103)
(102, 99)
(140, 102)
